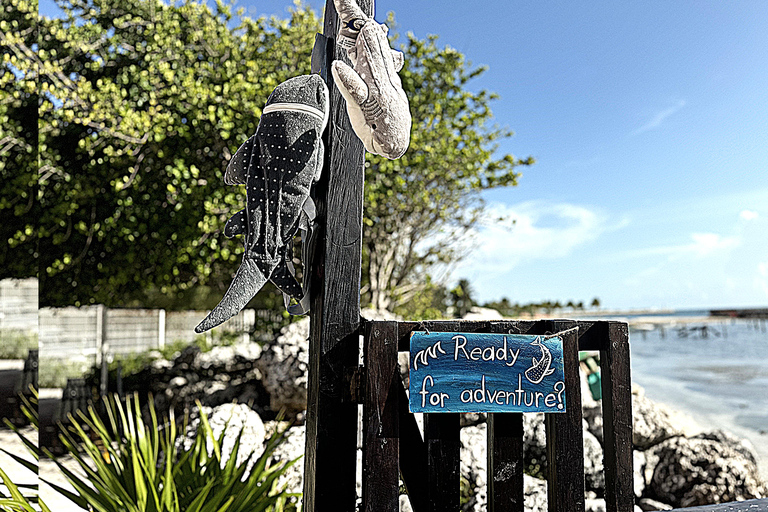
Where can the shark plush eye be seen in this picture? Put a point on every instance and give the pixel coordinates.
(373, 126)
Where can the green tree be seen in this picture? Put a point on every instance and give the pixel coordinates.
(141, 106)
(145, 103)
(18, 139)
(420, 207)
(461, 298)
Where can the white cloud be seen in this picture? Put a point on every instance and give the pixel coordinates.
(700, 245)
(749, 215)
(661, 116)
(705, 244)
(762, 277)
(541, 231)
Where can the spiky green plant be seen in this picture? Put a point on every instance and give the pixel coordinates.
(22, 498)
(133, 466)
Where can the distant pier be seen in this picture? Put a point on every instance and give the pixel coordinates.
(741, 313)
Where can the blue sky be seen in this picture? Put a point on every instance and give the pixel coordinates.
(649, 123)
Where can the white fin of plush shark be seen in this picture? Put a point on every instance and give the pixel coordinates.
(277, 165)
(376, 103)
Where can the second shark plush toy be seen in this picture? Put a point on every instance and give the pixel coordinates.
(376, 103)
(277, 165)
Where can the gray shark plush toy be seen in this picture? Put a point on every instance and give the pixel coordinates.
(277, 165)
(376, 103)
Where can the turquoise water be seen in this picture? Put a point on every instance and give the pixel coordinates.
(716, 371)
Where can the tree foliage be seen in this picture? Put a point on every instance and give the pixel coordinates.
(141, 104)
(418, 208)
(144, 104)
(18, 139)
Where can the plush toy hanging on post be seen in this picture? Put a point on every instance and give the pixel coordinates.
(277, 165)
(376, 103)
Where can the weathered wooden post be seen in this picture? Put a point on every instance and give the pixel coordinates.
(330, 457)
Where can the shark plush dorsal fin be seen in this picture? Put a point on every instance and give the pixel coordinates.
(350, 84)
(236, 225)
(237, 170)
(399, 59)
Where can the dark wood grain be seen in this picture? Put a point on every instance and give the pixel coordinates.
(441, 436)
(505, 462)
(380, 418)
(330, 455)
(565, 448)
(617, 419)
(443, 443)
(505, 454)
(413, 454)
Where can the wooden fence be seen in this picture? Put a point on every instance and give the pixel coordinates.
(429, 465)
(86, 332)
(18, 305)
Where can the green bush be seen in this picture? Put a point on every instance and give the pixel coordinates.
(133, 466)
(53, 373)
(15, 344)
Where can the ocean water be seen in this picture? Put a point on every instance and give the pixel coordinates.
(714, 370)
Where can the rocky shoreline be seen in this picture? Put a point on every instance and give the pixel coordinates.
(672, 467)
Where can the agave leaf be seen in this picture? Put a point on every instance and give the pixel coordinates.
(74, 498)
(17, 498)
(43, 506)
(32, 466)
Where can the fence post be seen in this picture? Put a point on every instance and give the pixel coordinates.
(330, 457)
(101, 327)
(161, 329)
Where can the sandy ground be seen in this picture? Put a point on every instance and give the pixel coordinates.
(11, 443)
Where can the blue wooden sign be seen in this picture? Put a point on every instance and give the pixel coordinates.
(471, 372)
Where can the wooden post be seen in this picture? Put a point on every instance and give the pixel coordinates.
(443, 443)
(381, 425)
(617, 419)
(330, 456)
(565, 448)
(504, 453)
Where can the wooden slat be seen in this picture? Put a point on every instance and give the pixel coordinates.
(441, 436)
(592, 334)
(380, 418)
(617, 419)
(330, 456)
(505, 462)
(505, 450)
(510, 326)
(443, 444)
(413, 455)
(565, 443)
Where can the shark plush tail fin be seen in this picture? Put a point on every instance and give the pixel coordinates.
(248, 280)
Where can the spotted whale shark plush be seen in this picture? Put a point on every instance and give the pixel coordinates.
(376, 103)
(278, 165)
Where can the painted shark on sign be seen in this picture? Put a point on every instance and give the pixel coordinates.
(540, 367)
(277, 165)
